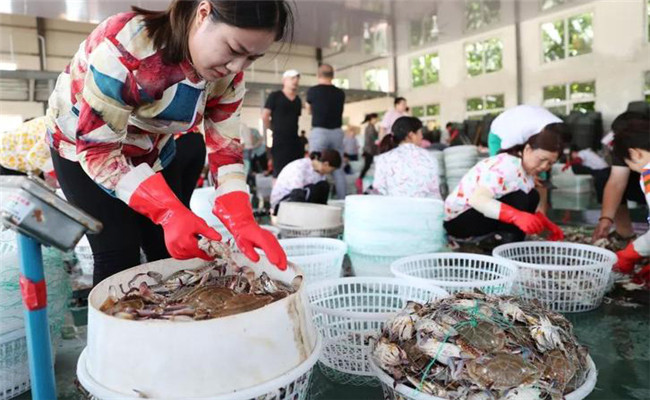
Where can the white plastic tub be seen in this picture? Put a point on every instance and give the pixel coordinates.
(198, 358)
(294, 385)
(398, 391)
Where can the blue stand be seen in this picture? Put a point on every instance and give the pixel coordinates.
(41, 368)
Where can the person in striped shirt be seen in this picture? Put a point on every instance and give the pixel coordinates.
(632, 144)
(137, 80)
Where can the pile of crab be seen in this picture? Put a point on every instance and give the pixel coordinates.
(196, 294)
(478, 347)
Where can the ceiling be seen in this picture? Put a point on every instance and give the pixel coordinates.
(341, 25)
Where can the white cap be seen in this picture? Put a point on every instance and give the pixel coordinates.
(290, 73)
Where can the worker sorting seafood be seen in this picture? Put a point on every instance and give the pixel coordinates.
(137, 80)
(497, 197)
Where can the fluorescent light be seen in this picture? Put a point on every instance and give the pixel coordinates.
(8, 66)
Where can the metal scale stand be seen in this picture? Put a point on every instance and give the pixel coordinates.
(40, 217)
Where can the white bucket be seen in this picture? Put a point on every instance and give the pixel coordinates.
(198, 358)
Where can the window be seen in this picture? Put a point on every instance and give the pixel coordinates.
(429, 114)
(424, 31)
(646, 87)
(477, 107)
(548, 4)
(342, 83)
(484, 57)
(569, 37)
(574, 96)
(481, 13)
(376, 79)
(425, 69)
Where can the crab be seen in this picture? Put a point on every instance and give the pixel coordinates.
(402, 325)
(440, 351)
(503, 371)
(482, 336)
(547, 336)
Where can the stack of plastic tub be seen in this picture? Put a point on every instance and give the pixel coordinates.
(381, 229)
(458, 160)
(439, 156)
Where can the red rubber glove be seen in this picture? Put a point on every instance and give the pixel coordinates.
(627, 259)
(235, 211)
(154, 199)
(527, 222)
(555, 231)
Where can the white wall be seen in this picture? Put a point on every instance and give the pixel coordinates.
(621, 53)
(454, 85)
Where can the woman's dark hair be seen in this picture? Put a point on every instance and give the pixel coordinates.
(548, 139)
(398, 100)
(635, 134)
(369, 117)
(401, 129)
(331, 157)
(169, 29)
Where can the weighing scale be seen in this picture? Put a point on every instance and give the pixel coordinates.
(40, 217)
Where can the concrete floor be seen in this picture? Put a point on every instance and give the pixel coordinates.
(617, 337)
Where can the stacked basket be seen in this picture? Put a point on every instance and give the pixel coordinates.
(458, 160)
(309, 220)
(382, 229)
(439, 156)
(318, 258)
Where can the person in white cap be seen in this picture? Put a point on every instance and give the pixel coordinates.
(280, 114)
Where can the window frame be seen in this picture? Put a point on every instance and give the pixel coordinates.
(565, 32)
(485, 110)
(424, 55)
(569, 103)
(483, 56)
(363, 77)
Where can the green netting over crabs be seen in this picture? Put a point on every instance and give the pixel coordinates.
(196, 294)
(478, 347)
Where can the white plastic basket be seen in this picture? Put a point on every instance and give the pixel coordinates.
(318, 258)
(293, 385)
(457, 272)
(14, 361)
(293, 232)
(14, 367)
(371, 265)
(348, 312)
(565, 277)
(393, 391)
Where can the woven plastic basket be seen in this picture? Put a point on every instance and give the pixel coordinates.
(393, 391)
(319, 258)
(292, 232)
(350, 311)
(14, 362)
(457, 272)
(293, 385)
(565, 277)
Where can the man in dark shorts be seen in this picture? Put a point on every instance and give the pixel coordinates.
(325, 102)
(620, 184)
(280, 114)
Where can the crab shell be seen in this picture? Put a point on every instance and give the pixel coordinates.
(503, 371)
